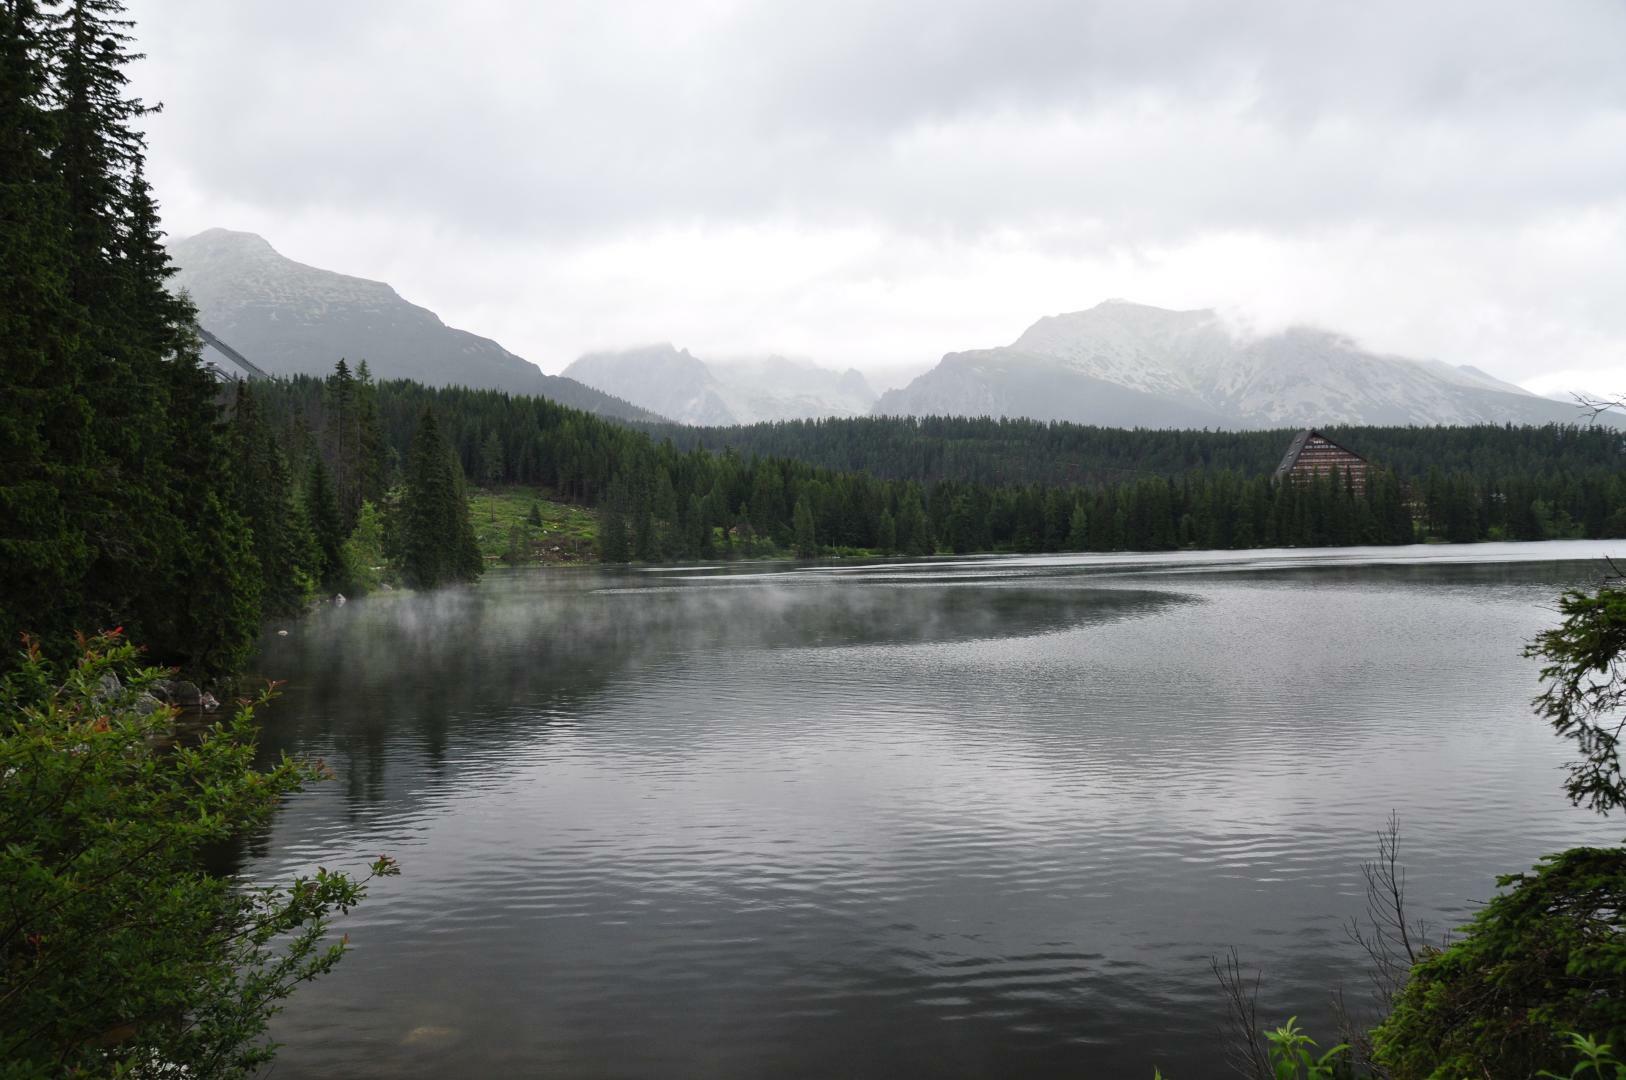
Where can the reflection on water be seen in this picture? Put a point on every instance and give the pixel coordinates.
(963, 817)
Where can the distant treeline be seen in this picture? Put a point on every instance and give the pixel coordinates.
(1135, 490)
(982, 450)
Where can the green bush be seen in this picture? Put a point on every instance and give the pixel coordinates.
(1542, 960)
(120, 953)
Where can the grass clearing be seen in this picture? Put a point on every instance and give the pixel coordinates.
(568, 534)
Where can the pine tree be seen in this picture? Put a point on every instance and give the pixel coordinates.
(1078, 533)
(47, 451)
(467, 562)
(375, 465)
(326, 524)
(491, 460)
(645, 547)
(219, 590)
(437, 542)
(886, 533)
(914, 531)
(612, 534)
(804, 542)
(264, 498)
(115, 496)
(342, 439)
(97, 143)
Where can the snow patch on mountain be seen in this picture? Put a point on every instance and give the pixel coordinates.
(1184, 367)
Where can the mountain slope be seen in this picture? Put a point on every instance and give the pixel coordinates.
(1131, 365)
(660, 378)
(675, 383)
(1010, 382)
(289, 318)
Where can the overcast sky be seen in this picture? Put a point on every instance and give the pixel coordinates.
(876, 183)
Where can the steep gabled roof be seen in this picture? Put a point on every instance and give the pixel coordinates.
(1296, 447)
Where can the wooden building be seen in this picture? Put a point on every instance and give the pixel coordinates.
(1312, 454)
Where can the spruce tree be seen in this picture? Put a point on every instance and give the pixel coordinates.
(612, 535)
(886, 534)
(491, 460)
(467, 562)
(326, 524)
(437, 541)
(115, 502)
(342, 443)
(1078, 532)
(374, 454)
(265, 500)
(804, 542)
(47, 446)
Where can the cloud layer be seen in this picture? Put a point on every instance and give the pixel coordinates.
(876, 183)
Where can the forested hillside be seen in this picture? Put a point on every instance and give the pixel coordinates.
(1016, 451)
(1140, 491)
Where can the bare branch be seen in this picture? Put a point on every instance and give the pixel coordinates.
(1595, 407)
(1244, 1048)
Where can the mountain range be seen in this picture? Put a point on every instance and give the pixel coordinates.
(289, 318)
(1132, 365)
(1117, 364)
(675, 383)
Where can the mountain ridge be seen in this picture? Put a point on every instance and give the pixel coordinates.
(292, 318)
(1134, 365)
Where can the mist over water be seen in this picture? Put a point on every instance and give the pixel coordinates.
(956, 817)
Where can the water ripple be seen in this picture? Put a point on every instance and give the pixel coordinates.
(951, 818)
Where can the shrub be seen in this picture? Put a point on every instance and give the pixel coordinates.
(120, 952)
(1542, 960)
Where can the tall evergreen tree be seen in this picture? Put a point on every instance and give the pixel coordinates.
(326, 524)
(375, 464)
(804, 541)
(115, 496)
(491, 460)
(437, 542)
(886, 533)
(47, 446)
(265, 499)
(342, 443)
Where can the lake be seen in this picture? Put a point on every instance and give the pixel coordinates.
(967, 817)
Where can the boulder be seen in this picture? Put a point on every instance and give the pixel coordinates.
(178, 692)
(108, 686)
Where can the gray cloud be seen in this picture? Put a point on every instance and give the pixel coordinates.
(1080, 135)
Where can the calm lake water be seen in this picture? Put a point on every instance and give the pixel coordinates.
(970, 817)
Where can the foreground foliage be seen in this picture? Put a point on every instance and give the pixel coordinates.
(120, 953)
(1542, 960)
(1547, 958)
(1586, 691)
